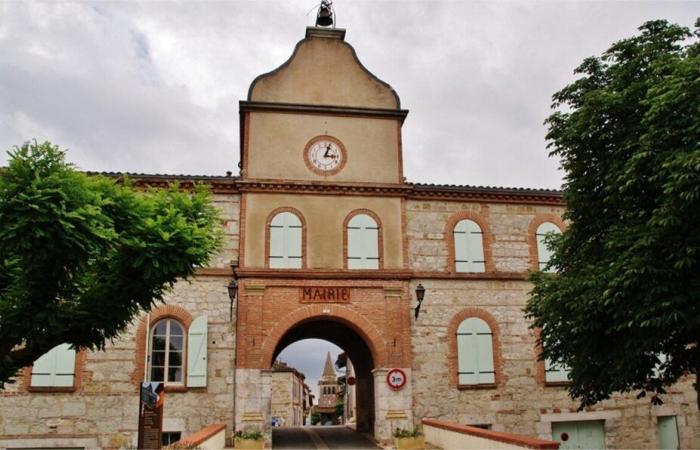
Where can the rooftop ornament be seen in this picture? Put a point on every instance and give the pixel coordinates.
(325, 15)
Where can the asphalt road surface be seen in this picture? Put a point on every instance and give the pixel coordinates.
(321, 438)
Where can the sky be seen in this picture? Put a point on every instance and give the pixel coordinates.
(154, 86)
(308, 356)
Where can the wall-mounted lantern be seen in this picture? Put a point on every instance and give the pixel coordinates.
(420, 295)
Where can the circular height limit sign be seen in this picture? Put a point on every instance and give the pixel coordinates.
(396, 378)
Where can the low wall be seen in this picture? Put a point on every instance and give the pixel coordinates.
(211, 437)
(449, 435)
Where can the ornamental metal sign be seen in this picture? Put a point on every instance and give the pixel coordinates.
(396, 379)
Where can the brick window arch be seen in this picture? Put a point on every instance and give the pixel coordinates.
(363, 244)
(157, 316)
(467, 251)
(285, 239)
(461, 327)
(538, 226)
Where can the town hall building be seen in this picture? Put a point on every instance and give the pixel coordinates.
(325, 238)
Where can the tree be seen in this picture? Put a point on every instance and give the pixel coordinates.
(81, 255)
(623, 309)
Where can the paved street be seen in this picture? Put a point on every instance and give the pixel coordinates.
(322, 438)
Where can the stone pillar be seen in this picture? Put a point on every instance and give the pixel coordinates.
(392, 408)
(253, 395)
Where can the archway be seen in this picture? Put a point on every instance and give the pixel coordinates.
(345, 336)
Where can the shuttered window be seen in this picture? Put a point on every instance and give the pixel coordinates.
(285, 241)
(363, 243)
(55, 368)
(197, 353)
(165, 355)
(469, 247)
(554, 373)
(475, 352)
(543, 253)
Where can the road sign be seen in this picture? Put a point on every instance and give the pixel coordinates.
(396, 378)
(351, 381)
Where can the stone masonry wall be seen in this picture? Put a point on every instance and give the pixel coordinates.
(104, 406)
(519, 402)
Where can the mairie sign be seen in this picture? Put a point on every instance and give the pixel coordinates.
(324, 294)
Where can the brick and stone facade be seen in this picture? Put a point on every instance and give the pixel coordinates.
(368, 313)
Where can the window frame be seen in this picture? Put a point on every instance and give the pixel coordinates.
(380, 239)
(166, 366)
(535, 223)
(268, 236)
(78, 366)
(486, 242)
(453, 355)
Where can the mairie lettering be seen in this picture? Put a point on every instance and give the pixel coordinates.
(325, 295)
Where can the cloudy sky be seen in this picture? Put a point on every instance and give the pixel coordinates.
(153, 86)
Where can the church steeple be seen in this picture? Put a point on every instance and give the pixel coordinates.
(328, 369)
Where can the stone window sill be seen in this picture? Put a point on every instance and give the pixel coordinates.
(466, 387)
(557, 383)
(175, 388)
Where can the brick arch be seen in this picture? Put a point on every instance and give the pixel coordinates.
(359, 324)
(538, 220)
(162, 312)
(268, 221)
(452, 337)
(380, 235)
(449, 235)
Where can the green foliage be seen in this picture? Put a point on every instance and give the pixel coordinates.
(400, 433)
(628, 284)
(81, 255)
(315, 418)
(340, 408)
(253, 434)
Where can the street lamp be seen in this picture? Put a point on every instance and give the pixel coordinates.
(420, 294)
(232, 287)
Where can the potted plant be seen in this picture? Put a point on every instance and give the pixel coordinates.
(249, 439)
(408, 439)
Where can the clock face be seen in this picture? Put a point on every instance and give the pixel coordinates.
(325, 155)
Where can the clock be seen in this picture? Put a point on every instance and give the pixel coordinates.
(325, 155)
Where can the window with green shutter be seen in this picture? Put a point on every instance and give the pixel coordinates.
(543, 253)
(475, 353)
(285, 242)
(667, 428)
(55, 368)
(363, 243)
(469, 247)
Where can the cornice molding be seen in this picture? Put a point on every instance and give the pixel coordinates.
(300, 108)
(232, 185)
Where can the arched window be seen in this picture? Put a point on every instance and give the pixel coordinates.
(285, 241)
(543, 253)
(469, 247)
(55, 368)
(165, 352)
(475, 353)
(363, 243)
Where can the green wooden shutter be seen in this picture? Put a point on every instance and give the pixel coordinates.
(475, 352)
(197, 353)
(469, 247)
(285, 241)
(555, 372)
(667, 428)
(55, 368)
(363, 243)
(586, 434)
(543, 253)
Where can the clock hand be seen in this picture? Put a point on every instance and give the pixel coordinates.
(327, 154)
